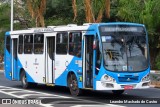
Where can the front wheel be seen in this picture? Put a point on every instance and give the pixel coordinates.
(117, 92)
(73, 85)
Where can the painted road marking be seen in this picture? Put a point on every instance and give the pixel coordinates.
(24, 96)
(31, 92)
(106, 105)
(58, 99)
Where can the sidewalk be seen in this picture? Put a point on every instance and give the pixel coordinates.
(155, 84)
(1, 70)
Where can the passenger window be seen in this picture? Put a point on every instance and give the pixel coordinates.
(38, 43)
(20, 45)
(51, 47)
(62, 43)
(75, 43)
(28, 44)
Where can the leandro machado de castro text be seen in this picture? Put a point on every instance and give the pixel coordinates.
(137, 101)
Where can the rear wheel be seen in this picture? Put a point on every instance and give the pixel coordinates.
(73, 85)
(117, 92)
(24, 82)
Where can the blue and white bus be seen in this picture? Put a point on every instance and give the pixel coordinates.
(95, 56)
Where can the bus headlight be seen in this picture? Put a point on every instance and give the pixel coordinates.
(106, 78)
(146, 78)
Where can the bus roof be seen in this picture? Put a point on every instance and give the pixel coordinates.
(69, 27)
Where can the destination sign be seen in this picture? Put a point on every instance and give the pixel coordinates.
(121, 28)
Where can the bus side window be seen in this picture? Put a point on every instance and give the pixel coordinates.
(62, 43)
(38, 43)
(75, 42)
(28, 44)
(20, 45)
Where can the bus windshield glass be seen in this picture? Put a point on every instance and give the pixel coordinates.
(124, 48)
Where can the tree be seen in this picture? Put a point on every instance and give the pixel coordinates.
(145, 12)
(58, 12)
(37, 10)
(5, 23)
(94, 9)
(22, 18)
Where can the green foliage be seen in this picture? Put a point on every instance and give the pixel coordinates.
(57, 21)
(97, 5)
(4, 23)
(56, 12)
(2, 42)
(145, 12)
(4, 19)
(129, 10)
(157, 61)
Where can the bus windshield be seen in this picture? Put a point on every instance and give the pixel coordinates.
(124, 48)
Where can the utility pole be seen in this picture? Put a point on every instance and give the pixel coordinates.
(11, 15)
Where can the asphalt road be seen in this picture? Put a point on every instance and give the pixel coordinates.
(45, 96)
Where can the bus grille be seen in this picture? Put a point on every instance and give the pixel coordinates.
(128, 79)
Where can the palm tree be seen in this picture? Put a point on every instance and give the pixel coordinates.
(37, 9)
(94, 10)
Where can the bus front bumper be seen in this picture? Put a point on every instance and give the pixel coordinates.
(114, 86)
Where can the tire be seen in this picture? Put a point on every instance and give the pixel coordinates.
(73, 85)
(117, 92)
(24, 82)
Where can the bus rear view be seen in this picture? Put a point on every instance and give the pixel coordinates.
(125, 57)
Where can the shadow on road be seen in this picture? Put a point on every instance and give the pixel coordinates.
(87, 94)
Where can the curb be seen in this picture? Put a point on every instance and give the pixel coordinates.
(155, 71)
(154, 86)
(1, 70)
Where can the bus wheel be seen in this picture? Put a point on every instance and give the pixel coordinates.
(73, 85)
(117, 92)
(24, 82)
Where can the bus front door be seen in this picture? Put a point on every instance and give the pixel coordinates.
(88, 61)
(14, 60)
(50, 57)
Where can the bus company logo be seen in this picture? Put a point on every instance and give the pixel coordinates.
(6, 101)
(35, 63)
(36, 60)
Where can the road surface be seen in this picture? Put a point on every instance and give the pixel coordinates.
(45, 96)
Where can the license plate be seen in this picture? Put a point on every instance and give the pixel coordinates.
(128, 87)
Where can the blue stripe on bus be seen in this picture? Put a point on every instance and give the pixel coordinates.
(19, 66)
(62, 79)
(29, 78)
(8, 69)
(7, 34)
(7, 65)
